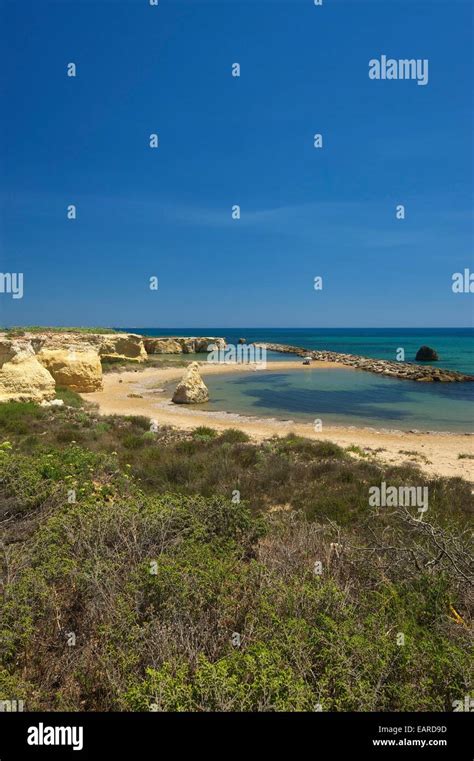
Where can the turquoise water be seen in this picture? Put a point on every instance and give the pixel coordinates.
(345, 397)
(455, 346)
(348, 397)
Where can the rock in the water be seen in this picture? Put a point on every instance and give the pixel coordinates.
(242, 340)
(191, 389)
(426, 354)
(77, 369)
(22, 377)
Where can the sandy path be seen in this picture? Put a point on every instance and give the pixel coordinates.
(435, 453)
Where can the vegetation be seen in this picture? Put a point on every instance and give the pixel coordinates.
(153, 360)
(161, 570)
(20, 331)
(414, 455)
(70, 398)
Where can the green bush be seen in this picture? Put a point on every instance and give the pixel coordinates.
(233, 436)
(70, 398)
(203, 433)
(257, 680)
(311, 450)
(19, 417)
(154, 568)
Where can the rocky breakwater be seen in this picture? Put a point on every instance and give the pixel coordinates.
(402, 370)
(186, 345)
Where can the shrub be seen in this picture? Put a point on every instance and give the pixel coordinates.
(69, 397)
(155, 569)
(203, 433)
(310, 449)
(233, 436)
(18, 417)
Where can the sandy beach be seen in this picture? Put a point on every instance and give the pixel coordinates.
(435, 453)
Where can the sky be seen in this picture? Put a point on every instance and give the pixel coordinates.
(166, 212)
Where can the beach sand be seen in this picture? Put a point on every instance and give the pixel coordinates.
(434, 453)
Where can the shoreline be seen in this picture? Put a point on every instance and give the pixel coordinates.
(142, 392)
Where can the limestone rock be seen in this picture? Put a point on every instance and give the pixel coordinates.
(196, 345)
(188, 345)
(200, 345)
(52, 403)
(22, 377)
(179, 345)
(191, 389)
(426, 354)
(122, 346)
(109, 346)
(162, 346)
(77, 369)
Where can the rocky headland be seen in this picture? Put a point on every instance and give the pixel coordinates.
(32, 364)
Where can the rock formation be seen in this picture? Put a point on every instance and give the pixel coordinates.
(31, 362)
(426, 354)
(109, 346)
(178, 345)
(78, 369)
(162, 346)
(22, 377)
(191, 389)
(118, 346)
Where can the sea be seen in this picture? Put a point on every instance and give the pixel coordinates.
(345, 397)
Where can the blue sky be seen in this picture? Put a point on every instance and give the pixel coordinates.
(225, 141)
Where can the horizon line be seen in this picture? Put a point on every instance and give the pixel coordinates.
(244, 327)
